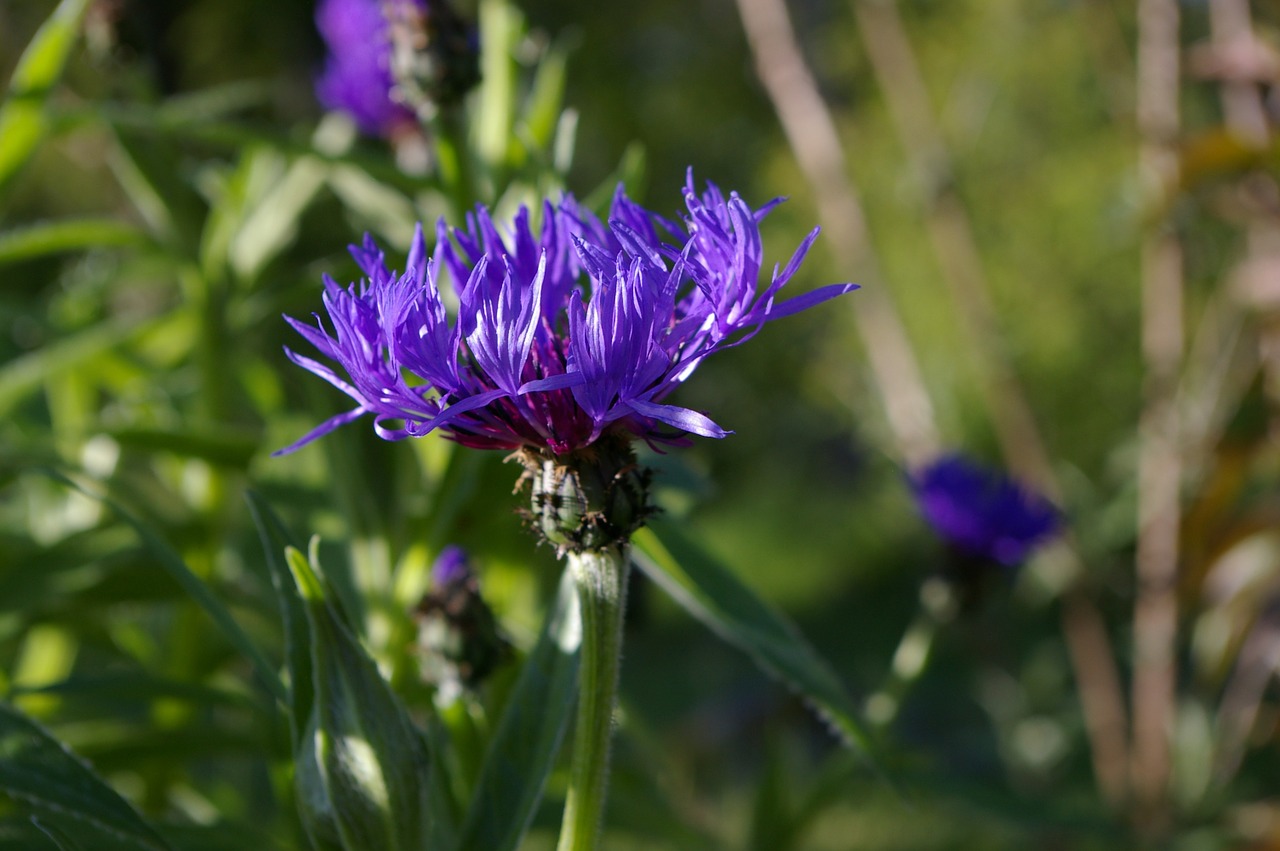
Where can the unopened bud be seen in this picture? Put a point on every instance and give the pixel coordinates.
(590, 499)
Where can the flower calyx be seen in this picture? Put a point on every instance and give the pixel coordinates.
(588, 499)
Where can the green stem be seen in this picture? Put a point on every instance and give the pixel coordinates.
(937, 608)
(601, 577)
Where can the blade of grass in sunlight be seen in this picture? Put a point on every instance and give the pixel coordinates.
(23, 120)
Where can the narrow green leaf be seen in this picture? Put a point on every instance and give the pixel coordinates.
(272, 223)
(374, 768)
(45, 238)
(23, 121)
(276, 538)
(524, 746)
(104, 691)
(501, 26)
(194, 586)
(542, 110)
(38, 770)
(720, 600)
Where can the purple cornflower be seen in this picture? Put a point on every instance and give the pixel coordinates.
(983, 512)
(562, 334)
(357, 75)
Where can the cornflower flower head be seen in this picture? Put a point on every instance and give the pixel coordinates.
(566, 338)
(983, 513)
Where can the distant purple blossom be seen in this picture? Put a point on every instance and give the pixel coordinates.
(983, 512)
(562, 334)
(357, 76)
(451, 566)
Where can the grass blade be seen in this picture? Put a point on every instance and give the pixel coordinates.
(23, 120)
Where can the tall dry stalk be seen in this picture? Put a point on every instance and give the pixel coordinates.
(1155, 620)
(811, 133)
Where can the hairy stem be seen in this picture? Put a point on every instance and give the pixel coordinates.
(601, 577)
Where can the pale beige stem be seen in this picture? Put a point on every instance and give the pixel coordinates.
(1159, 464)
(812, 135)
(1245, 114)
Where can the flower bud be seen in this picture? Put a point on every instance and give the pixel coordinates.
(459, 642)
(588, 499)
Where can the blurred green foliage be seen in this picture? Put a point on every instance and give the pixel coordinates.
(182, 190)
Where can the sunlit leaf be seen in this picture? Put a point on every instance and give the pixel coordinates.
(45, 238)
(372, 764)
(23, 121)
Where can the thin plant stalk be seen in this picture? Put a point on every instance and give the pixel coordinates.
(601, 579)
(811, 133)
(938, 606)
(1246, 119)
(1160, 463)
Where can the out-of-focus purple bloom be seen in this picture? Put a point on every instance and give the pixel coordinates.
(563, 334)
(357, 76)
(451, 566)
(983, 512)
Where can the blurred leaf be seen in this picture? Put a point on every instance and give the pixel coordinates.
(25, 375)
(630, 173)
(386, 209)
(132, 687)
(225, 445)
(546, 99)
(23, 121)
(719, 599)
(275, 540)
(272, 222)
(195, 588)
(501, 26)
(36, 769)
(528, 736)
(374, 769)
(45, 238)
(771, 826)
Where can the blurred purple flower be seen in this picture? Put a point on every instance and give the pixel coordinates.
(983, 512)
(357, 76)
(451, 566)
(562, 334)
